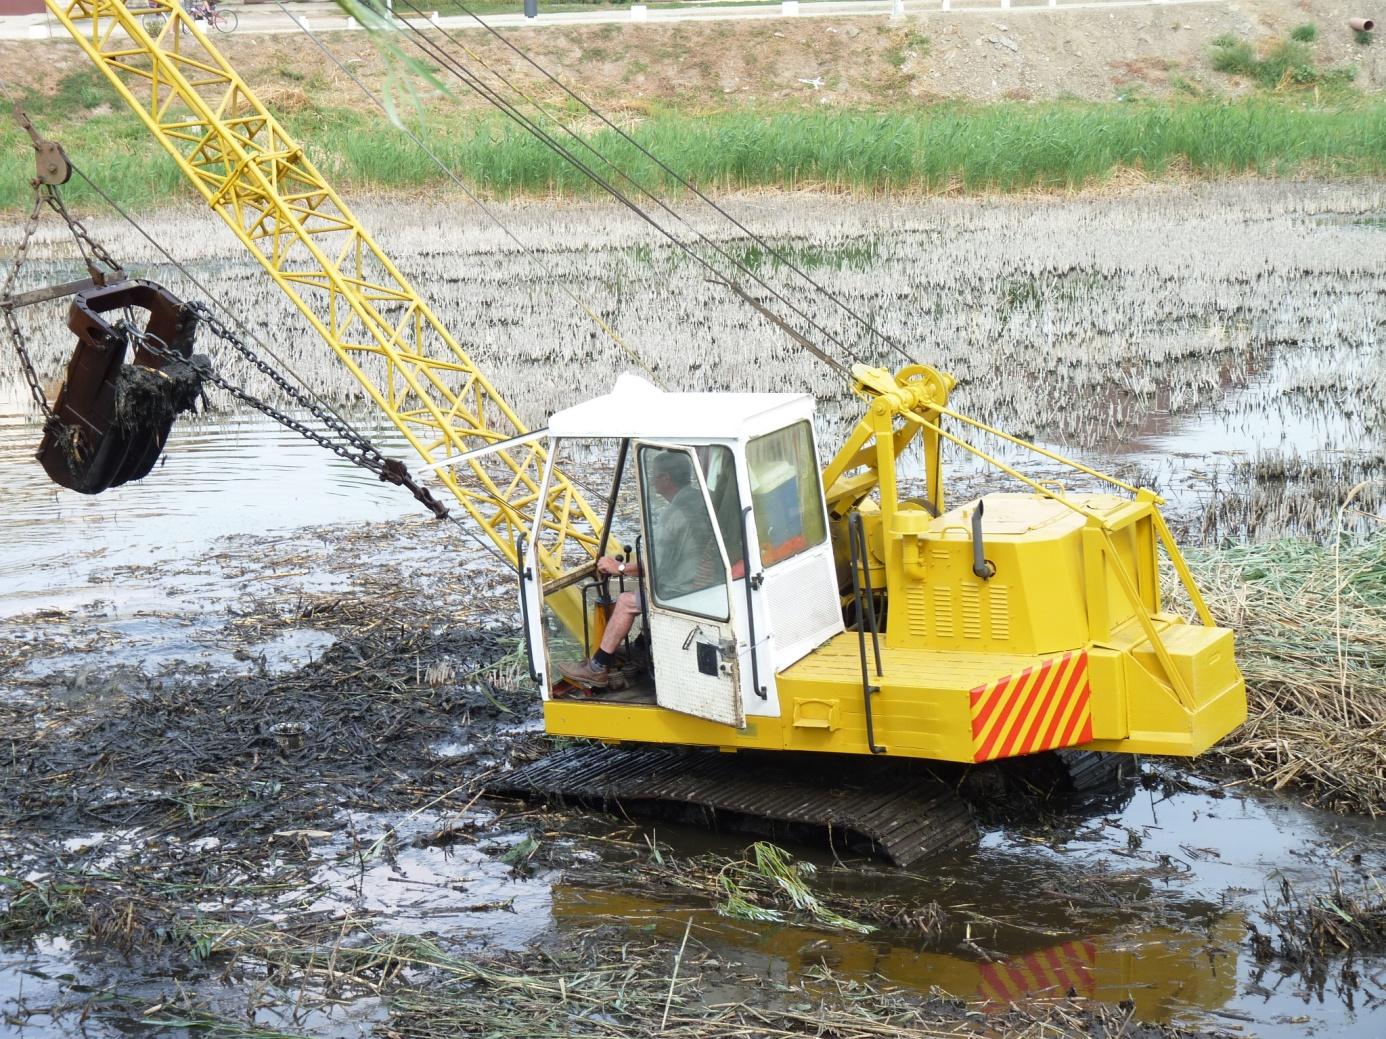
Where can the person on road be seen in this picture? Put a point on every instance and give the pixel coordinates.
(682, 544)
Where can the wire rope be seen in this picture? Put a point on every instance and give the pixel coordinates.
(433, 156)
(221, 305)
(470, 78)
(685, 182)
(651, 196)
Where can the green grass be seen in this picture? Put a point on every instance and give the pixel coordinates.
(855, 256)
(1007, 147)
(1288, 64)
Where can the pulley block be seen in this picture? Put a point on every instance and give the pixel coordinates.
(113, 413)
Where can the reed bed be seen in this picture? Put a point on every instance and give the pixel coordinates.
(1327, 939)
(1003, 147)
(1286, 491)
(1349, 916)
(1311, 635)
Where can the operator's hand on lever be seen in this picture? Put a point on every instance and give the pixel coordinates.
(612, 566)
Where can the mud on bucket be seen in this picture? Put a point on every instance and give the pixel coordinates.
(112, 418)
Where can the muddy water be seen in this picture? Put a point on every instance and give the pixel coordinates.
(1148, 899)
(1149, 896)
(235, 475)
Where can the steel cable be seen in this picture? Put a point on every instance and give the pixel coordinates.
(477, 201)
(685, 182)
(471, 79)
(341, 424)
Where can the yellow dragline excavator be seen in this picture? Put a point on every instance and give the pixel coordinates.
(837, 633)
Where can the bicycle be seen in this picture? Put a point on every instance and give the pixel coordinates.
(221, 21)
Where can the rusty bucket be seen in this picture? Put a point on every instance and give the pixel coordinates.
(112, 416)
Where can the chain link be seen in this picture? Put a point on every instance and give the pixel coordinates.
(367, 455)
(348, 444)
(82, 236)
(46, 195)
(345, 442)
(26, 363)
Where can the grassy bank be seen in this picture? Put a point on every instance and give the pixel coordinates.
(1006, 147)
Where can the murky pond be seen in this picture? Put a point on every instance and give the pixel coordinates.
(243, 590)
(1147, 900)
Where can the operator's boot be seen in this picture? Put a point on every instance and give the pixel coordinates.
(586, 673)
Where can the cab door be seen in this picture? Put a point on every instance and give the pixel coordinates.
(688, 602)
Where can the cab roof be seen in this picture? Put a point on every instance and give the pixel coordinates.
(638, 409)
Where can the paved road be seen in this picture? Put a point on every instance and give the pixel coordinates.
(323, 17)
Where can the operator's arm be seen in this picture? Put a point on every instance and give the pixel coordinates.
(611, 566)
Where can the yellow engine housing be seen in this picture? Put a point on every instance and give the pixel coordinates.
(1066, 645)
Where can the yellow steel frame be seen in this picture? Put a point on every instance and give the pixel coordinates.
(918, 395)
(260, 182)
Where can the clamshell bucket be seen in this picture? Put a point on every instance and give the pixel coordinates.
(112, 418)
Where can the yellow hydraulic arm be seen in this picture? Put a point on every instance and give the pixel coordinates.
(260, 182)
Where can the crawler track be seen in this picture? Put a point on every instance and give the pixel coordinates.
(891, 809)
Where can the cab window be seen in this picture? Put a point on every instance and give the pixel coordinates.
(686, 570)
(785, 493)
(719, 473)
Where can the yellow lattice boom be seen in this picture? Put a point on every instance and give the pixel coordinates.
(259, 181)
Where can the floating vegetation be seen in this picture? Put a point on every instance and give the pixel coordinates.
(768, 884)
(1322, 937)
(596, 983)
(256, 752)
(1317, 926)
(768, 874)
(1311, 641)
(304, 853)
(605, 989)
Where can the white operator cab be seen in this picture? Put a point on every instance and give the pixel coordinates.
(722, 616)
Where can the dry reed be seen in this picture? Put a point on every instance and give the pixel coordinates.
(1311, 632)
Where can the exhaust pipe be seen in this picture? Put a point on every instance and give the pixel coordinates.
(1361, 24)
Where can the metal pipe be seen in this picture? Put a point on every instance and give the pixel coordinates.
(526, 574)
(750, 605)
(644, 605)
(867, 688)
(586, 628)
(870, 593)
(615, 492)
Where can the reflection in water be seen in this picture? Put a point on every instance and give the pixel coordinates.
(1146, 899)
(219, 477)
(1167, 973)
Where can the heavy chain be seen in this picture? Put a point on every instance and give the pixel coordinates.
(47, 195)
(347, 443)
(90, 248)
(366, 454)
(26, 363)
(344, 441)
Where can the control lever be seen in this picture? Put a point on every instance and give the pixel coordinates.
(981, 565)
